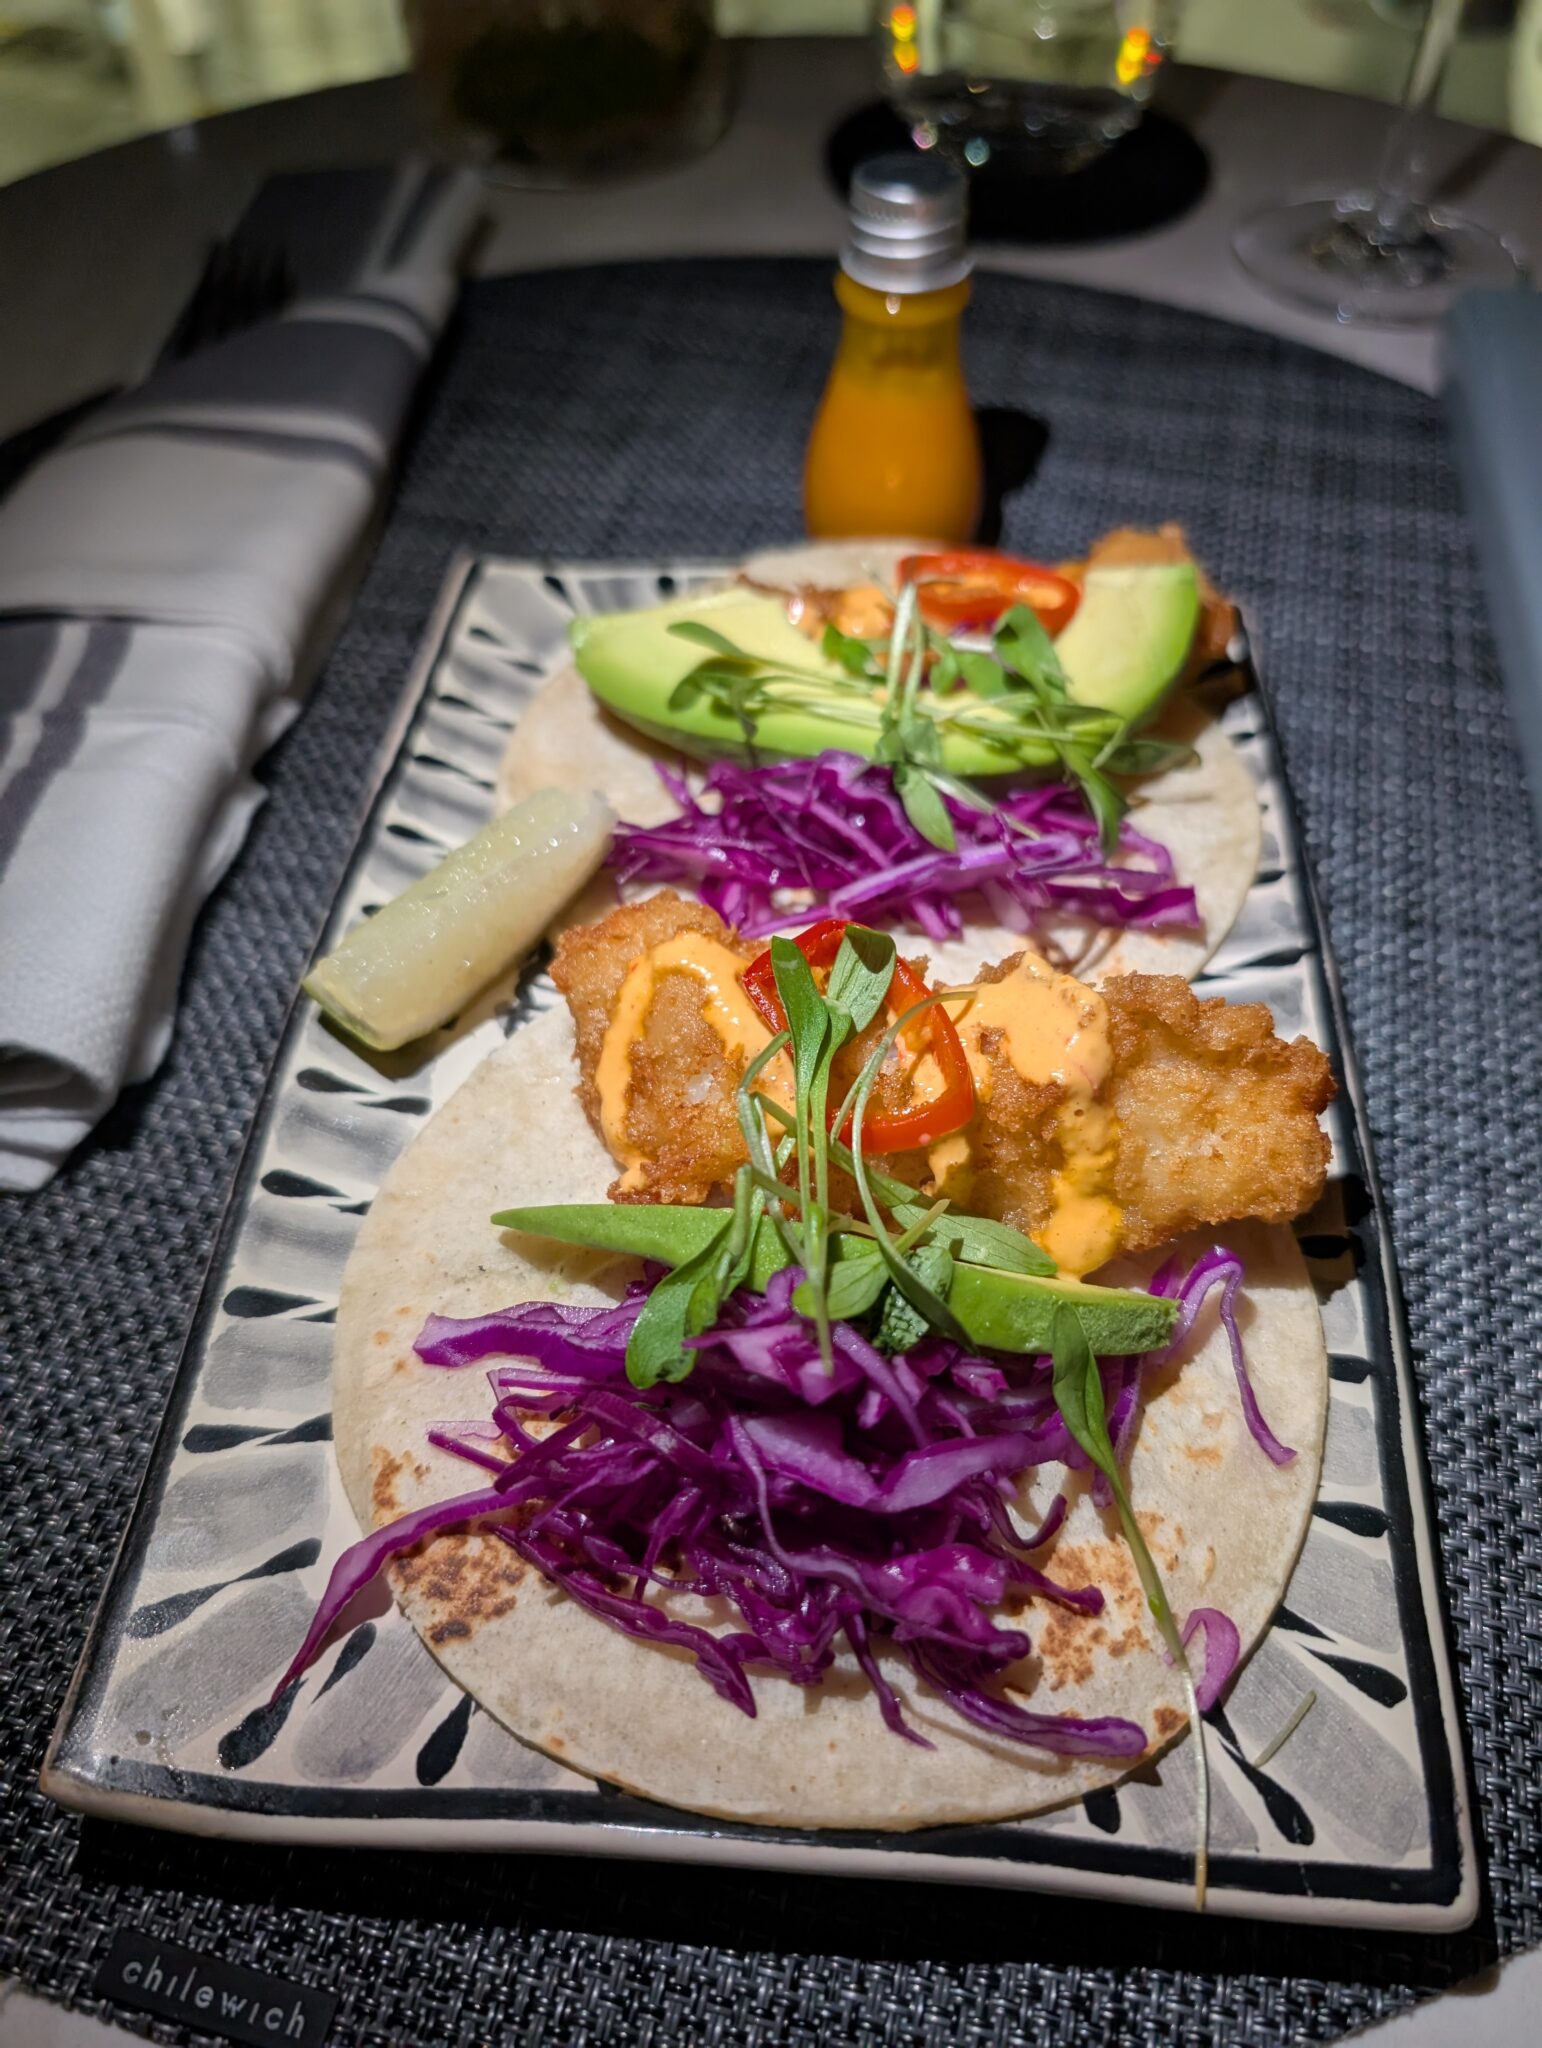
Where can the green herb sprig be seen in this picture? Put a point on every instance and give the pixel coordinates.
(747, 686)
(819, 1025)
(1078, 1385)
(840, 1280)
(916, 1283)
(898, 699)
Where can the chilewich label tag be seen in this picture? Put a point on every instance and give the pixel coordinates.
(214, 1996)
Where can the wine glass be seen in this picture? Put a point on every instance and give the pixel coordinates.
(1042, 86)
(1381, 255)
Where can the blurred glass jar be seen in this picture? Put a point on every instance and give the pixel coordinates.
(1037, 85)
(561, 92)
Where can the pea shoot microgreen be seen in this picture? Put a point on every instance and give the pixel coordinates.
(819, 1025)
(1078, 1385)
(898, 700)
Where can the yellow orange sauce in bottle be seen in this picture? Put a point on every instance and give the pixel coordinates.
(895, 449)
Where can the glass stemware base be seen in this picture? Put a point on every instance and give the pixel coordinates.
(1362, 259)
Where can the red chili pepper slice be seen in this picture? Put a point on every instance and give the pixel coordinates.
(818, 945)
(909, 1129)
(967, 589)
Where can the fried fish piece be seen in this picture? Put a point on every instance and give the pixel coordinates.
(1005, 1162)
(1218, 1117)
(671, 1115)
(678, 1134)
(1208, 1118)
(1203, 1115)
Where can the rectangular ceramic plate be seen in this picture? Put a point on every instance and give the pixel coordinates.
(1360, 1819)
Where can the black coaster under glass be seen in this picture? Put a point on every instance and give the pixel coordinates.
(1147, 178)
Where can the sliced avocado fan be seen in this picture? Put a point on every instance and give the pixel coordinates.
(1121, 653)
(634, 663)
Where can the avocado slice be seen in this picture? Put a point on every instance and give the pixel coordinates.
(1016, 1312)
(998, 1310)
(633, 662)
(671, 1234)
(1129, 639)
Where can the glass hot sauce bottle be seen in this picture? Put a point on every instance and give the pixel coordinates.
(894, 448)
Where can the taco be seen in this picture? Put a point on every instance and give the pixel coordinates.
(910, 1536)
(1200, 812)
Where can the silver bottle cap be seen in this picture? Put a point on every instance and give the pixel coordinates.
(908, 225)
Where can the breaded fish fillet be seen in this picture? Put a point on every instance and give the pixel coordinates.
(680, 1120)
(1214, 1117)
(1218, 1118)
(679, 1131)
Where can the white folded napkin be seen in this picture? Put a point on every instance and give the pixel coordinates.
(162, 579)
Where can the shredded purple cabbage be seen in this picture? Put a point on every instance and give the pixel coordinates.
(1223, 1647)
(866, 1505)
(1218, 1269)
(770, 846)
(824, 1507)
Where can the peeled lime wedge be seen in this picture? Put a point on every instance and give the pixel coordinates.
(426, 954)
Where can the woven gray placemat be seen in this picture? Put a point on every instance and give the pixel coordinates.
(660, 409)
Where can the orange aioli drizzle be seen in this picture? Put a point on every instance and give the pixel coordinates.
(724, 1005)
(1054, 1030)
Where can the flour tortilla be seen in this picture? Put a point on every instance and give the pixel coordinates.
(1205, 813)
(1226, 1525)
